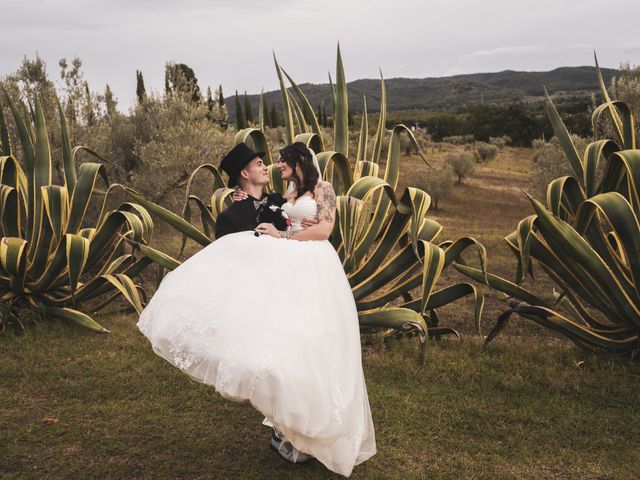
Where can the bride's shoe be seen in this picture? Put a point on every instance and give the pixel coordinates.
(288, 451)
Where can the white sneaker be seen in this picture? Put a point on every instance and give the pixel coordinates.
(286, 450)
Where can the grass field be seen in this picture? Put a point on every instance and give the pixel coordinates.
(80, 405)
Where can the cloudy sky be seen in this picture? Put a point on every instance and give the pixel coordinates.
(230, 42)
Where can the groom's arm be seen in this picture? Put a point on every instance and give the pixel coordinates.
(223, 224)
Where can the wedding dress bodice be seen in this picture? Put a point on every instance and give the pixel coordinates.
(304, 207)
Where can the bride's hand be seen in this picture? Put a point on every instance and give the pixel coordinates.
(268, 229)
(239, 195)
(309, 222)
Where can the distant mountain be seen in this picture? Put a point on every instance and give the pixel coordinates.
(450, 93)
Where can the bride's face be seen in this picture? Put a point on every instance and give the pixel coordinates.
(285, 169)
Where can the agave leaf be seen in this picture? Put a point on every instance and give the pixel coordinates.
(623, 112)
(87, 176)
(366, 169)
(592, 155)
(564, 196)
(158, 257)
(77, 254)
(580, 334)
(5, 139)
(276, 183)
(585, 264)
(615, 117)
(399, 319)
(9, 211)
(221, 199)
(449, 295)
(14, 261)
(335, 168)
(619, 214)
(500, 284)
(303, 126)
(56, 202)
(563, 136)
(349, 212)
(127, 288)
(256, 140)
(307, 110)
(311, 140)
(382, 119)
(170, 218)
(28, 152)
(68, 160)
(11, 174)
(411, 205)
(364, 131)
(341, 110)
(286, 104)
(206, 220)
(76, 317)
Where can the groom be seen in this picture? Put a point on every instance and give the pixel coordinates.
(247, 170)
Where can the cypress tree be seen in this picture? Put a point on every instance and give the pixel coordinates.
(141, 92)
(273, 116)
(248, 112)
(241, 119)
(265, 113)
(220, 97)
(110, 102)
(210, 103)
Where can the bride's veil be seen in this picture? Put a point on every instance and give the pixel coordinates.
(292, 187)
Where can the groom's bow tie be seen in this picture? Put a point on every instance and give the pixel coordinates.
(257, 203)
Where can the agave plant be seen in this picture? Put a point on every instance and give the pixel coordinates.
(384, 239)
(586, 238)
(49, 261)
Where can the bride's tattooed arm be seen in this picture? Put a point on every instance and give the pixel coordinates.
(326, 200)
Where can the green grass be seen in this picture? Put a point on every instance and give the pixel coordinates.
(81, 405)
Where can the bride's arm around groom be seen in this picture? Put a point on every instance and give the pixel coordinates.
(325, 199)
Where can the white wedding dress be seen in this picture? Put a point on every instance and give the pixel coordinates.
(274, 322)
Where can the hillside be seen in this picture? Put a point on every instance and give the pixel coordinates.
(459, 91)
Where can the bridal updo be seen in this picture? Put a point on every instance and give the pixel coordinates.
(298, 154)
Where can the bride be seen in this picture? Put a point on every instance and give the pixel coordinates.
(272, 320)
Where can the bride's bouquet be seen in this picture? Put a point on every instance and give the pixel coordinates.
(274, 215)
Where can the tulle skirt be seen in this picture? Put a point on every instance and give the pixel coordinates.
(274, 322)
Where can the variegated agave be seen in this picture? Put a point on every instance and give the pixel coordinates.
(49, 260)
(586, 238)
(385, 241)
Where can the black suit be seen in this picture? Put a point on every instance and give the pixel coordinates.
(242, 216)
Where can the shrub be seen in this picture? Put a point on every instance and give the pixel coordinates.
(462, 163)
(500, 141)
(458, 139)
(484, 151)
(437, 182)
(550, 162)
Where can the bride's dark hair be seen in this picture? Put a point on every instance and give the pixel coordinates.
(298, 154)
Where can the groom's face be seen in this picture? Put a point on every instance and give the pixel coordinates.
(256, 172)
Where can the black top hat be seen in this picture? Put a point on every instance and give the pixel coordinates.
(238, 158)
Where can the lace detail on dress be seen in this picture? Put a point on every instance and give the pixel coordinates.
(338, 403)
(227, 366)
(266, 360)
(191, 334)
